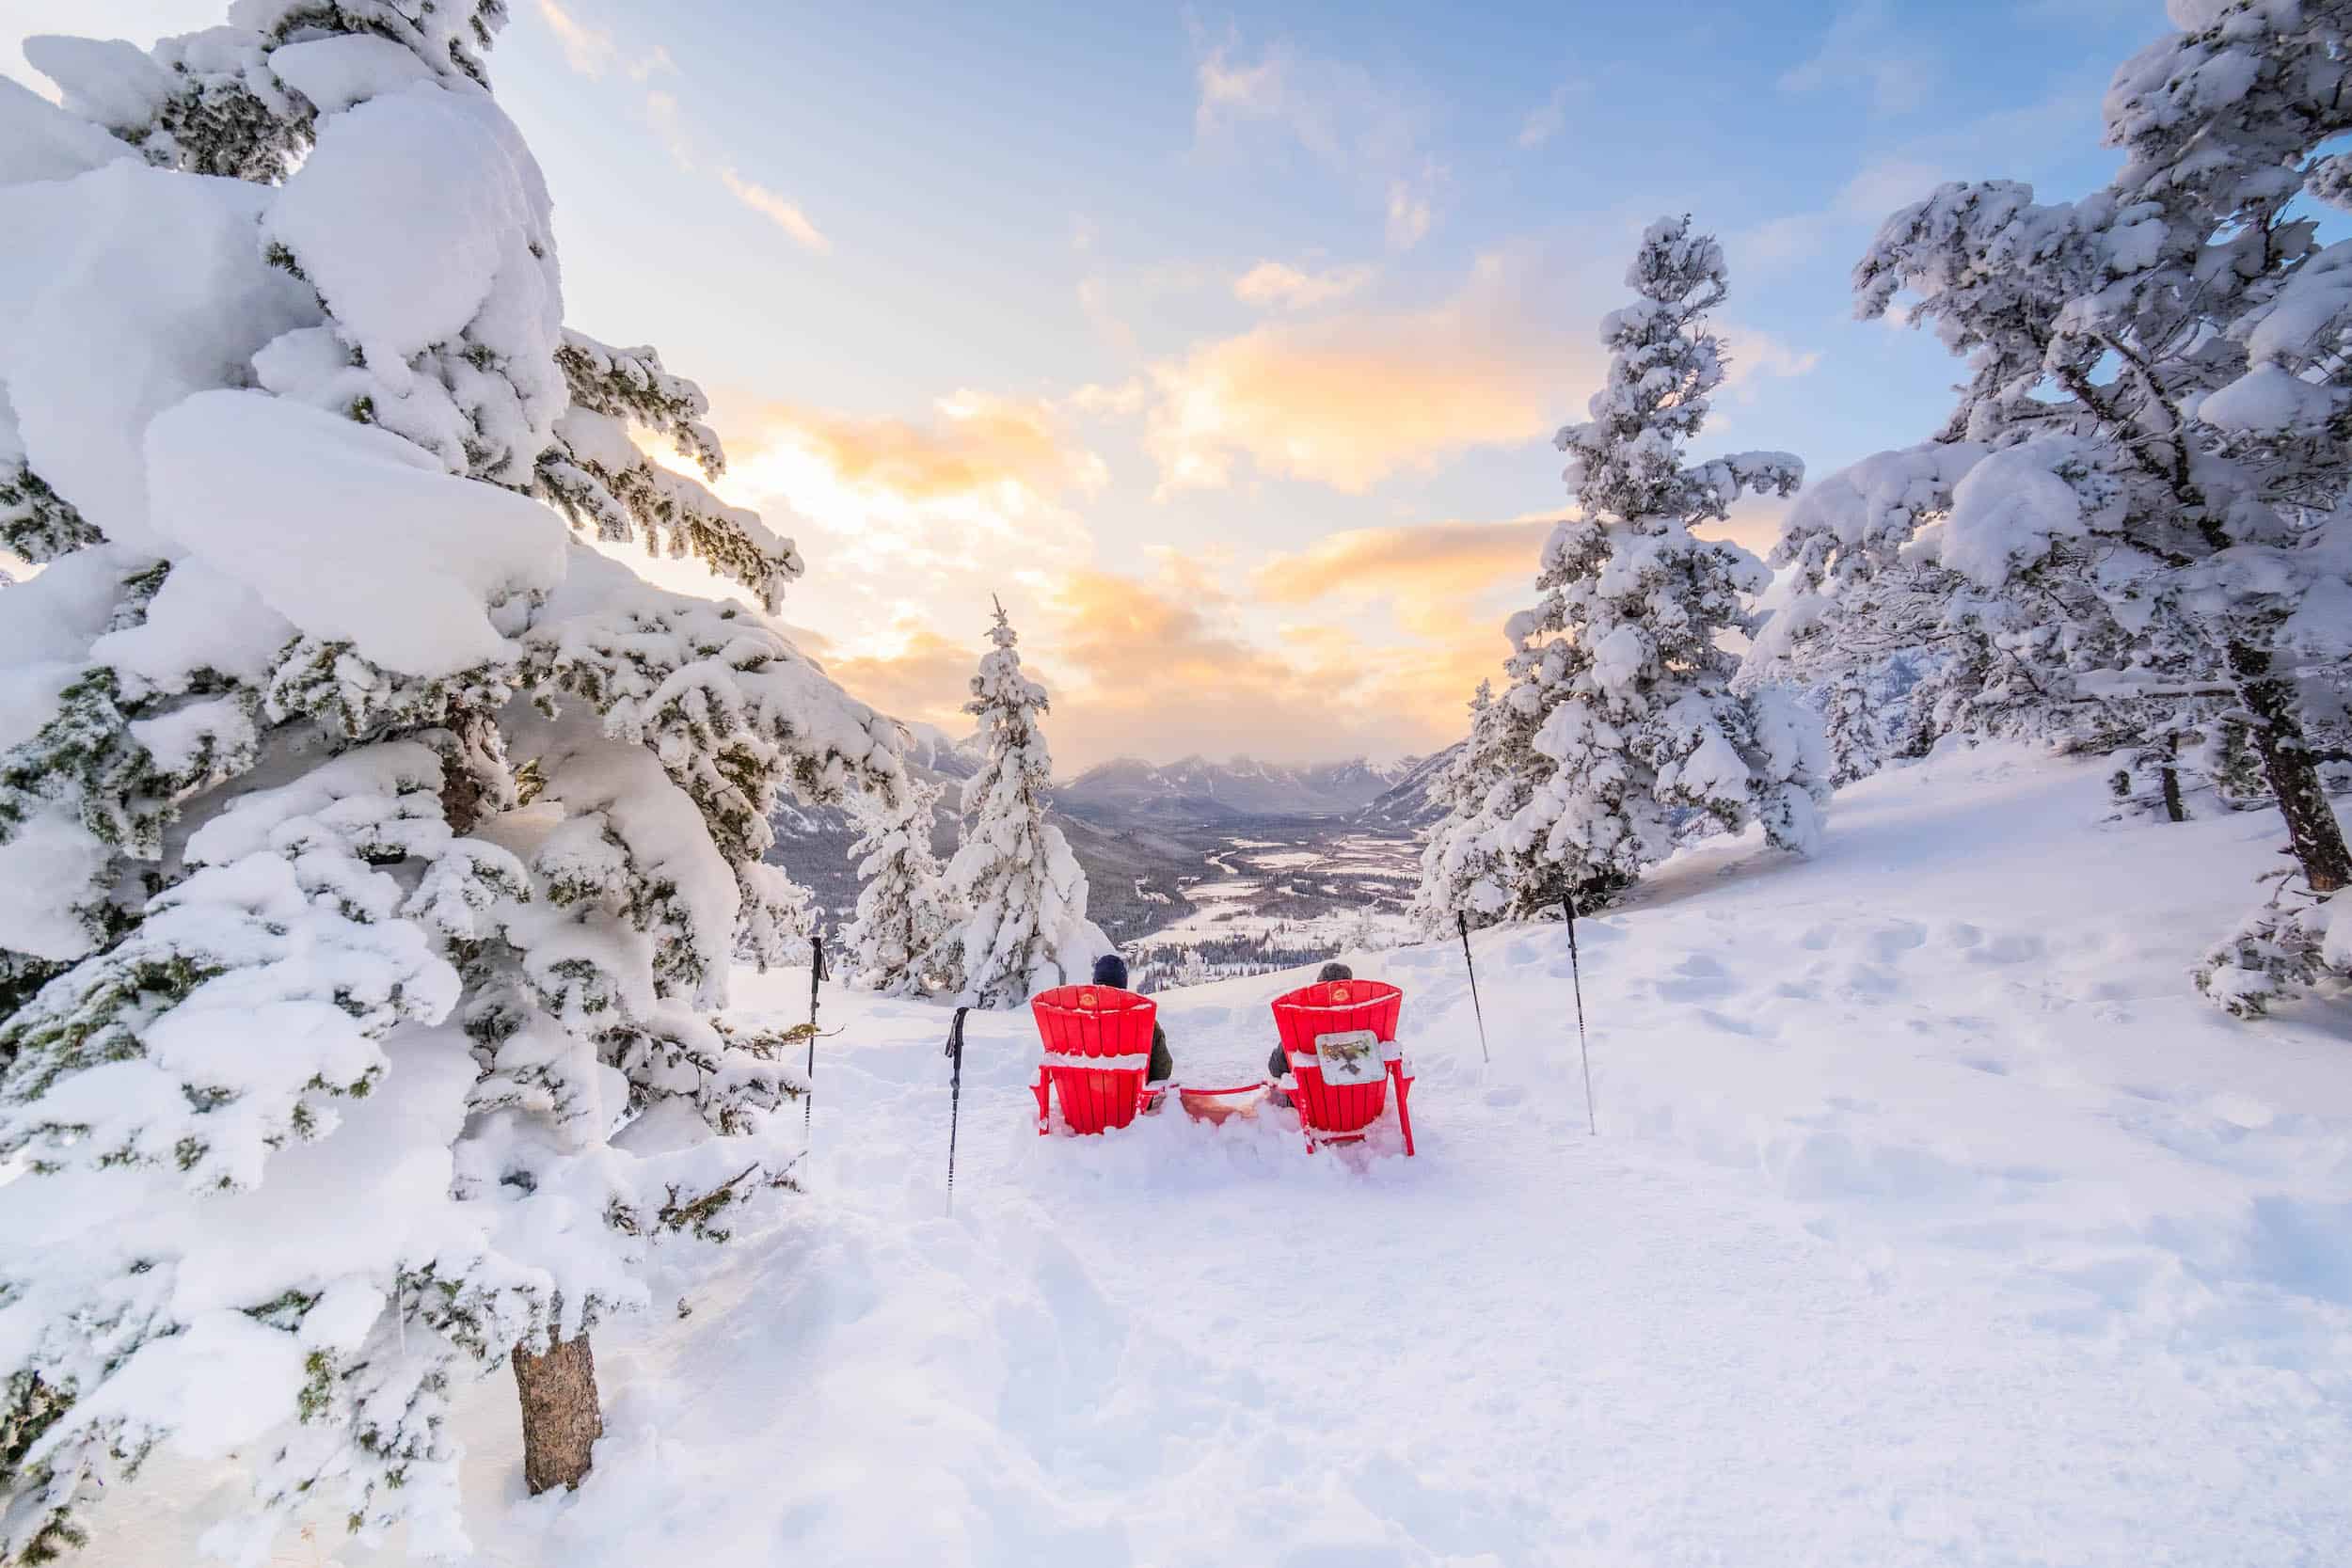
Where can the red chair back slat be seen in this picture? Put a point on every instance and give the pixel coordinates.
(1095, 1021)
(1330, 1007)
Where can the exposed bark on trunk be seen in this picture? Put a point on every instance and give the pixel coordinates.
(561, 1421)
(2169, 779)
(464, 796)
(2294, 775)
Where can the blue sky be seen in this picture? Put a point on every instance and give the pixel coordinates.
(1226, 342)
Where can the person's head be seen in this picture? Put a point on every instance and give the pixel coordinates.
(1111, 970)
(1336, 971)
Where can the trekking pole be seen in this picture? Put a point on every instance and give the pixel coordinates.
(815, 973)
(1462, 922)
(1575, 972)
(955, 1097)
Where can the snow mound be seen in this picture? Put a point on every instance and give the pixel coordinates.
(1933, 1220)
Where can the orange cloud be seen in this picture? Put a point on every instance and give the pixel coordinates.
(927, 677)
(1432, 576)
(1348, 401)
(1147, 668)
(979, 443)
(1351, 399)
(894, 501)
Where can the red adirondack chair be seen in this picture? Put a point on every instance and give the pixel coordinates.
(1340, 1036)
(1098, 1050)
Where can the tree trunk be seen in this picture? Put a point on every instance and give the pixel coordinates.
(465, 799)
(2169, 779)
(561, 1421)
(2294, 777)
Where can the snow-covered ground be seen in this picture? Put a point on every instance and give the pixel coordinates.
(1933, 1220)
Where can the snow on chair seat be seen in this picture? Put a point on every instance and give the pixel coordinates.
(1097, 1052)
(1340, 1039)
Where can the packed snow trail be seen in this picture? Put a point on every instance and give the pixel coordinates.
(1932, 1220)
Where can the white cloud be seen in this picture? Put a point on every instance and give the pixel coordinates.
(1860, 49)
(1409, 214)
(1372, 131)
(1755, 354)
(1550, 117)
(776, 209)
(587, 49)
(662, 118)
(1271, 284)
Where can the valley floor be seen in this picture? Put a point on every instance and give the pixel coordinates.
(1933, 1220)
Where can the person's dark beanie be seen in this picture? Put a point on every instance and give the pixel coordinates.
(1333, 971)
(1111, 970)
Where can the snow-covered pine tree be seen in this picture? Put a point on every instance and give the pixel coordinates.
(372, 849)
(1619, 664)
(898, 939)
(2150, 460)
(1851, 725)
(1013, 879)
(1460, 864)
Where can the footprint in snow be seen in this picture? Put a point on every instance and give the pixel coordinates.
(1891, 941)
(1870, 980)
(2009, 948)
(1697, 978)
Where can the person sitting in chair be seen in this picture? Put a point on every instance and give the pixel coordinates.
(1111, 970)
(1278, 1063)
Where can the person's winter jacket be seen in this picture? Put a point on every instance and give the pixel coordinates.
(1111, 970)
(1277, 1064)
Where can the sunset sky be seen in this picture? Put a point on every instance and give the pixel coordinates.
(1226, 344)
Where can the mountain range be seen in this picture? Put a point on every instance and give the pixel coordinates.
(1142, 830)
(1197, 791)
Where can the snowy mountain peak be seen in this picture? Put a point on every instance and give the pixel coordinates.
(1241, 785)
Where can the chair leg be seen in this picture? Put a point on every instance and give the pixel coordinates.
(1043, 1089)
(1404, 1111)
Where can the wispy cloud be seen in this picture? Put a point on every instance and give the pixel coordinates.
(1408, 212)
(1372, 132)
(592, 50)
(783, 214)
(1861, 48)
(1755, 354)
(1279, 285)
(662, 118)
(1550, 117)
(587, 49)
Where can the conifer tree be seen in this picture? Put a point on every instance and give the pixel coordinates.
(1018, 887)
(1852, 726)
(1619, 666)
(374, 850)
(2146, 478)
(1460, 866)
(899, 938)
